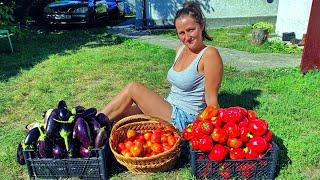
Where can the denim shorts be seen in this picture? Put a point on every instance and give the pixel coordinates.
(180, 119)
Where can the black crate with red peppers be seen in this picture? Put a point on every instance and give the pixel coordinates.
(259, 168)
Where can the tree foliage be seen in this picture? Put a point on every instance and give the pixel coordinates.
(6, 12)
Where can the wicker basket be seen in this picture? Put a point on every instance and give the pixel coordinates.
(143, 123)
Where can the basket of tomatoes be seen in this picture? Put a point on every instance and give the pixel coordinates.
(145, 144)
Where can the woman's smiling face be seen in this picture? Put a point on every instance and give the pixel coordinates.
(189, 32)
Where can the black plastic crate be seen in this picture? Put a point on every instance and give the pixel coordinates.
(94, 167)
(263, 168)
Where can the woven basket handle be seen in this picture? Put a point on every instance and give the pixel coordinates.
(138, 118)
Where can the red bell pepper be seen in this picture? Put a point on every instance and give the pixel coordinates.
(218, 153)
(206, 127)
(187, 133)
(206, 143)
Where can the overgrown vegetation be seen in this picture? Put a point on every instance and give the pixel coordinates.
(88, 67)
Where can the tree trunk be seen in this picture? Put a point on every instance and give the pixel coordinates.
(259, 36)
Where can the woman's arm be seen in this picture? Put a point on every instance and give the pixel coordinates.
(213, 71)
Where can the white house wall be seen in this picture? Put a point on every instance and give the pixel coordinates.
(218, 12)
(293, 16)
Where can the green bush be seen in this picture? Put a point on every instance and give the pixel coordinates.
(264, 25)
(6, 12)
(281, 47)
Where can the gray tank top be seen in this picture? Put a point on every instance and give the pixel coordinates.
(187, 90)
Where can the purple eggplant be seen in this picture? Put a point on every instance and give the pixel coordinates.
(59, 151)
(102, 119)
(74, 148)
(94, 127)
(82, 132)
(32, 136)
(78, 110)
(63, 111)
(46, 116)
(44, 145)
(20, 158)
(52, 126)
(85, 152)
(101, 138)
(89, 113)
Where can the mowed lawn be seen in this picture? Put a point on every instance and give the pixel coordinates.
(88, 67)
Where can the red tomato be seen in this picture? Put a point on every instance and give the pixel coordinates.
(156, 137)
(164, 138)
(219, 135)
(140, 137)
(149, 143)
(147, 135)
(236, 153)
(146, 149)
(232, 129)
(166, 147)
(128, 144)
(252, 115)
(136, 150)
(131, 133)
(168, 130)
(126, 153)
(171, 140)
(257, 127)
(158, 130)
(157, 148)
(121, 147)
(139, 142)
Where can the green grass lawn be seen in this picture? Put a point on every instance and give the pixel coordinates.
(89, 67)
(239, 38)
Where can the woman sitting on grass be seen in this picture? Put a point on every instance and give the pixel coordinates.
(195, 76)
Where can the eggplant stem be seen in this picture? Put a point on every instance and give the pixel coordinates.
(64, 134)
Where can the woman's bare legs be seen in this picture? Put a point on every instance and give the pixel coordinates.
(134, 99)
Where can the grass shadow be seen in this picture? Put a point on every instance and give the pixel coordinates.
(283, 158)
(246, 99)
(32, 46)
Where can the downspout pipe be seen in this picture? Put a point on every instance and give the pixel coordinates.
(144, 14)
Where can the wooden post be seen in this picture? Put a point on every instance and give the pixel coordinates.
(311, 52)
